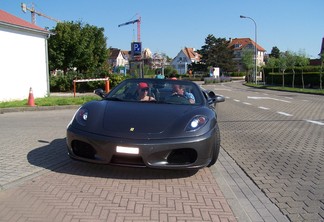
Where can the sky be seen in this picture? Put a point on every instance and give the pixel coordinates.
(170, 25)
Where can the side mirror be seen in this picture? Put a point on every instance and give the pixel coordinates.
(213, 98)
(99, 92)
(219, 99)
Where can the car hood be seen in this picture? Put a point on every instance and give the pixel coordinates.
(143, 120)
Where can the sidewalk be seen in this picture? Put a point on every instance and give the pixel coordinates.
(244, 197)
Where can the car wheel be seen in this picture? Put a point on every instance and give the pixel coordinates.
(216, 148)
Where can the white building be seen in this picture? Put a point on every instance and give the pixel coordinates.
(23, 59)
(240, 44)
(184, 58)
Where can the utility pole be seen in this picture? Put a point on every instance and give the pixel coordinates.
(255, 48)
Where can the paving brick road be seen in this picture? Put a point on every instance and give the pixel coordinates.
(40, 183)
(277, 138)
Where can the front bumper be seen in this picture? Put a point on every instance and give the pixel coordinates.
(173, 153)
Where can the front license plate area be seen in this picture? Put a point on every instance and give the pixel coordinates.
(127, 150)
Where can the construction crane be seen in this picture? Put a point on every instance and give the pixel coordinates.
(34, 13)
(138, 21)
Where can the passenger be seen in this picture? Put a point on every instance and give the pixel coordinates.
(143, 90)
(180, 90)
(159, 75)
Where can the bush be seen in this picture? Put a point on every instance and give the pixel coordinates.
(64, 82)
(237, 74)
(311, 75)
(212, 80)
(61, 83)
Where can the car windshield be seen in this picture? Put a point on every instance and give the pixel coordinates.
(157, 91)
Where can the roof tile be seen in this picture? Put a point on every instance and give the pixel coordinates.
(5, 17)
(244, 42)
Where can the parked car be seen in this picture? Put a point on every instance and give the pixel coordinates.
(166, 130)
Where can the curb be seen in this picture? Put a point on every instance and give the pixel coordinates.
(37, 108)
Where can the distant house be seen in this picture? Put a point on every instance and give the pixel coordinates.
(184, 58)
(240, 44)
(23, 58)
(322, 48)
(318, 62)
(159, 61)
(119, 60)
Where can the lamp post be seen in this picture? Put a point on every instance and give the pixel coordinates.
(255, 47)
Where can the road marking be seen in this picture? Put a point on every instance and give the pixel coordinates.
(224, 89)
(315, 122)
(236, 100)
(285, 114)
(265, 108)
(247, 103)
(256, 97)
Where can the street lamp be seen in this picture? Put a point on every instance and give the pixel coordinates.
(255, 47)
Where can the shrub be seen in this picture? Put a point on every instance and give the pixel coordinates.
(64, 82)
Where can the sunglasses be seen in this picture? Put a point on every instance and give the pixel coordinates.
(145, 89)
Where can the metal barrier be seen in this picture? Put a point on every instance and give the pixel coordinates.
(107, 87)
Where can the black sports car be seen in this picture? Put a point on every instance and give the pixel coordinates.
(158, 123)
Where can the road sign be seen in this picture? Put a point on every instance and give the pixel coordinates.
(136, 48)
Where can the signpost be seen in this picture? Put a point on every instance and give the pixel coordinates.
(136, 63)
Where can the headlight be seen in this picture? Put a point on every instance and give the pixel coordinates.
(196, 123)
(82, 116)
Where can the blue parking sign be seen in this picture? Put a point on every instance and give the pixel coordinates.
(137, 48)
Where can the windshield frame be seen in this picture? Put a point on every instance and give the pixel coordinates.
(161, 90)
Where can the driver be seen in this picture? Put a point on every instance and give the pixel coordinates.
(180, 90)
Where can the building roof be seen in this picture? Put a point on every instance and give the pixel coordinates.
(241, 43)
(125, 53)
(322, 48)
(114, 53)
(13, 21)
(191, 54)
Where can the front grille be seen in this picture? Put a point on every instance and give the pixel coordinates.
(83, 149)
(127, 160)
(182, 156)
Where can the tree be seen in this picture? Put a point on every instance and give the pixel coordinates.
(216, 53)
(275, 52)
(79, 46)
(302, 61)
(94, 51)
(291, 60)
(282, 64)
(248, 61)
(272, 63)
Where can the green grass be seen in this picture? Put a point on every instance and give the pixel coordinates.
(52, 101)
(288, 89)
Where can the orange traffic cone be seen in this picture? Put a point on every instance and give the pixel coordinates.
(31, 101)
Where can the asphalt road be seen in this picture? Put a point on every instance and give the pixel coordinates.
(277, 138)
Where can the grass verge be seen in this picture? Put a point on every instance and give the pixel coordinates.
(287, 89)
(52, 101)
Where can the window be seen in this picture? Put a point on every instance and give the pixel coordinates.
(236, 46)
